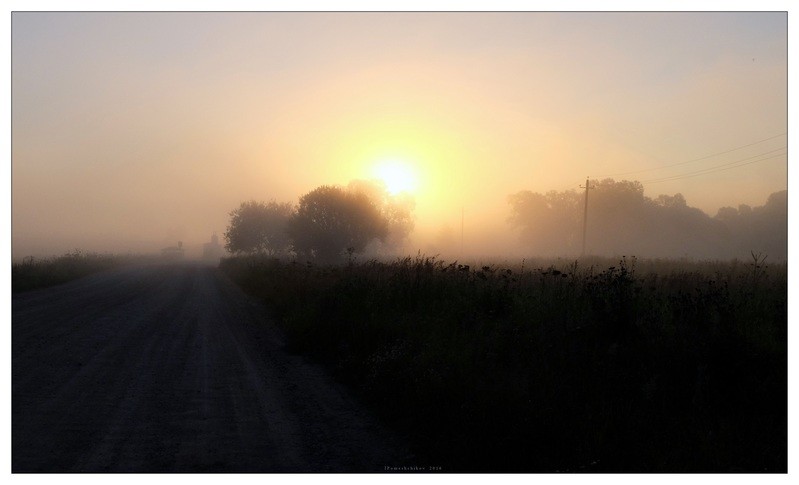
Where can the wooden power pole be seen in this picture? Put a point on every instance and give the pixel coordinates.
(585, 212)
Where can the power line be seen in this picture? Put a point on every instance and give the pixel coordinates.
(569, 187)
(719, 168)
(710, 171)
(696, 159)
(727, 163)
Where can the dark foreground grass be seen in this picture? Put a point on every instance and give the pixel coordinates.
(673, 368)
(33, 273)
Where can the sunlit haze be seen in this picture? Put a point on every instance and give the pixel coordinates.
(397, 175)
(132, 131)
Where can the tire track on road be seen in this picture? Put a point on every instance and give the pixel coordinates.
(172, 368)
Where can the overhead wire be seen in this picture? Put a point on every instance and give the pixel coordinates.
(696, 159)
(719, 168)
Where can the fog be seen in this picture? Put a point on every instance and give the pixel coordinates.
(132, 131)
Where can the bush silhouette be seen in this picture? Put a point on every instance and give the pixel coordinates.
(331, 220)
(258, 228)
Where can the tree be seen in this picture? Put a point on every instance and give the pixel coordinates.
(621, 220)
(396, 209)
(259, 228)
(676, 201)
(548, 222)
(759, 229)
(331, 220)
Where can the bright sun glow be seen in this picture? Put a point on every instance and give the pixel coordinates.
(398, 176)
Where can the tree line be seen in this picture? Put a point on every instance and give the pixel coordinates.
(621, 220)
(331, 223)
(328, 223)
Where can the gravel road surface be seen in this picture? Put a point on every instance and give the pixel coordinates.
(171, 368)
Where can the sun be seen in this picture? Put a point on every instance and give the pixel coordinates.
(397, 175)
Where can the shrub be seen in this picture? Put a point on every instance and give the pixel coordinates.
(618, 366)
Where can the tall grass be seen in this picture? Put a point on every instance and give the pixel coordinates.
(609, 366)
(32, 273)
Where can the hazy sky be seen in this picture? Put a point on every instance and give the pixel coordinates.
(132, 129)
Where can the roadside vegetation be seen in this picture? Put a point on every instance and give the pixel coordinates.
(329, 224)
(544, 366)
(33, 273)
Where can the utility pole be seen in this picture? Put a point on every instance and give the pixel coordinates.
(585, 212)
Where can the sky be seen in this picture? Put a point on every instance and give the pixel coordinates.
(133, 130)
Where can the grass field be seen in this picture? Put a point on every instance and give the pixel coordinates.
(32, 273)
(552, 365)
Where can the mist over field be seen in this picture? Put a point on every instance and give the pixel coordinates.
(133, 131)
(325, 242)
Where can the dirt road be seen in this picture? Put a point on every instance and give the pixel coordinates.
(172, 368)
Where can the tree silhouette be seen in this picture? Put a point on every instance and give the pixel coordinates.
(549, 223)
(331, 221)
(397, 210)
(759, 229)
(258, 228)
(623, 221)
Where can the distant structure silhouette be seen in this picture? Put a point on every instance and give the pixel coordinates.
(212, 250)
(173, 252)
